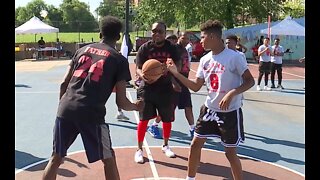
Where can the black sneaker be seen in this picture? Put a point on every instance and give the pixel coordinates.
(280, 86)
(273, 86)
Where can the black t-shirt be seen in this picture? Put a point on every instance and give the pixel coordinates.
(96, 69)
(41, 43)
(149, 51)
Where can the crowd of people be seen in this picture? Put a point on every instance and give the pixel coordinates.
(98, 69)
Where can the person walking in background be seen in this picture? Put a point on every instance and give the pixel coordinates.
(276, 63)
(226, 76)
(90, 78)
(159, 95)
(264, 53)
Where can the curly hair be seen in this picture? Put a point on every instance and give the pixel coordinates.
(212, 26)
(110, 27)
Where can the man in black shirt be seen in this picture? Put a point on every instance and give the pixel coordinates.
(94, 71)
(158, 95)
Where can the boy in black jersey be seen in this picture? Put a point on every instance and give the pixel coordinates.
(94, 71)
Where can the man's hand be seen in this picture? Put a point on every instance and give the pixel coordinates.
(140, 104)
(171, 66)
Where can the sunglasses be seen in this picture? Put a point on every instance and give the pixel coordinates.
(159, 31)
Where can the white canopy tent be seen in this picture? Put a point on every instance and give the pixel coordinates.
(286, 27)
(35, 26)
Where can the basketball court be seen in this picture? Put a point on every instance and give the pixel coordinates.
(274, 123)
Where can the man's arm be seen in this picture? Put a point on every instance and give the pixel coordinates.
(65, 82)
(123, 102)
(194, 85)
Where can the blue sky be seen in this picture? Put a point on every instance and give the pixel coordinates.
(92, 3)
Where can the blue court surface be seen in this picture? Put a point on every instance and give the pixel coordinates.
(274, 121)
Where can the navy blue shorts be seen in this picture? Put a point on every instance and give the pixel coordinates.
(95, 138)
(225, 125)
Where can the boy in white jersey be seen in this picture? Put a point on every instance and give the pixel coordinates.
(226, 76)
(276, 63)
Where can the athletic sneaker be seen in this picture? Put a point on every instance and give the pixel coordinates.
(167, 151)
(273, 86)
(138, 157)
(258, 88)
(280, 86)
(121, 116)
(267, 88)
(154, 132)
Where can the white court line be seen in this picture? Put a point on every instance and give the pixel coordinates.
(146, 146)
(186, 147)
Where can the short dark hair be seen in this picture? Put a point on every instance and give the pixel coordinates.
(162, 23)
(232, 36)
(172, 36)
(277, 39)
(267, 38)
(110, 27)
(212, 26)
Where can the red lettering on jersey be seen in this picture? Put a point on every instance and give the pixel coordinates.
(96, 69)
(100, 52)
(81, 71)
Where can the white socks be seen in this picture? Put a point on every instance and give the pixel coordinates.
(192, 127)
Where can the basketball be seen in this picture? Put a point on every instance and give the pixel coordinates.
(152, 70)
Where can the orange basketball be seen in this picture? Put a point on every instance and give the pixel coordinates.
(152, 70)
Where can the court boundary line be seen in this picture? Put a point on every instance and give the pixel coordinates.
(182, 147)
(146, 147)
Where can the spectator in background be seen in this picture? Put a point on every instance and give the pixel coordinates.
(264, 53)
(189, 50)
(58, 45)
(41, 44)
(276, 63)
(240, 47)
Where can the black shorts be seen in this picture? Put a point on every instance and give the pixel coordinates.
(184, 98)
(95, 137)
(275, 67)
(226, 125)
(264, 67)
(162, 104)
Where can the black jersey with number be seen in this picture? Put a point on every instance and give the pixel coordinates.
(149, 51)
(96, 69)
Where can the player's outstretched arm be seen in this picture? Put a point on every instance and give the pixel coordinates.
(123, 102)
(193, 85)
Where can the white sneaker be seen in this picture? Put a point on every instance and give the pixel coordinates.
(167, 151)
(258, 88)
(267, 88)
(138, 157)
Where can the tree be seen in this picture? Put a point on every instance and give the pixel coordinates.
(77, 16)
(295, 9)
